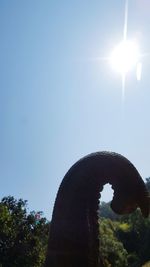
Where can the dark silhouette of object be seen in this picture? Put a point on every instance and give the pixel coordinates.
(73, 240)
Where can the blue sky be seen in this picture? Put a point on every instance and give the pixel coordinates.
(57, 104)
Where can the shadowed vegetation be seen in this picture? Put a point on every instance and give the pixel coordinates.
(125, 240)
(23, 238)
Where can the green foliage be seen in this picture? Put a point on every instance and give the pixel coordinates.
(23, 241)
(105, 211)
(124, 240)
(125, 227)
(132, 232)
(111, 250)
(137, 239)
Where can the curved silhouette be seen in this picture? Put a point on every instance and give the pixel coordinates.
(73, 239)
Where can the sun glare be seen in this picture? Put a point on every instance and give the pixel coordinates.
(139, 71)
(124, 57)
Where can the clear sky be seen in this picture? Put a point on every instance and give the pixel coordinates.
(57, 103)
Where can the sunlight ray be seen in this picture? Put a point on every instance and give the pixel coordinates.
(139, 71)
(125, 21)
(123, 86)
(124, 38)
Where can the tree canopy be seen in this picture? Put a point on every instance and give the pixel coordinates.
(124, 240)
(132, 231)
(23, 236)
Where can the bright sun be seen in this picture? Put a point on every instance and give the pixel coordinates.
(125, 56)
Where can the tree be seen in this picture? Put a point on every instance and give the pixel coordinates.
(105, 211)
(148, 183)
(111, 250)
(132, 231)
(23, 238)
(136, 239)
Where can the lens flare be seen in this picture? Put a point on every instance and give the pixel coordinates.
(139, 71)
(124, 57)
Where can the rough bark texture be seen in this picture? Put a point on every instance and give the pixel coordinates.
(73, 240)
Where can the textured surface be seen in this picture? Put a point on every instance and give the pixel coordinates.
(73, 240)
